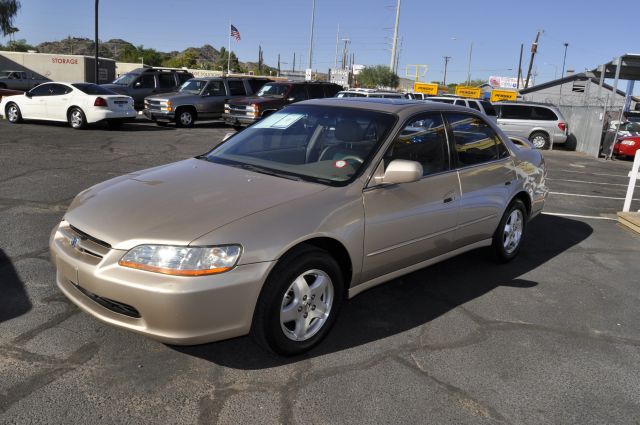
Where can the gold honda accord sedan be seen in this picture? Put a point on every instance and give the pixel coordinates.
(271, 230)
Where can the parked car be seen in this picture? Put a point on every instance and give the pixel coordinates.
(627, 146)
(371, 93)
(272, 97)
(19, 80)
(9, 92)
(199, 99)
(78, 104)
(479, 105)
(269, 232)
(541, 123)
(143, 82)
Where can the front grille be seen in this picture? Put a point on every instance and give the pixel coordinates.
(89, 237)
(154, 105)
(115, 306)
(238, 109)
(76, 239)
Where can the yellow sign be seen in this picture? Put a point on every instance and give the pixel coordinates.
(498, 95)
(426, 88)
(472, 92)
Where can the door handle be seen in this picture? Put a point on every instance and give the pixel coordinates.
(507, 183)
(449, 197)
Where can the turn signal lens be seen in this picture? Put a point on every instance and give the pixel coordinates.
(256, 110)
(182, 260)
(100, 102)
(562, 126)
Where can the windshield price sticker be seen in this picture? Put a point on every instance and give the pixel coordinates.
(279, 121)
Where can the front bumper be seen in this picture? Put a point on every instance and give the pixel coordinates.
(172, 309)
(162, 116)
(239, 120)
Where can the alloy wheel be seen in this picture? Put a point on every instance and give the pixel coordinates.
(186, 119)
(512, 233)
(12, 113)
(76, 119)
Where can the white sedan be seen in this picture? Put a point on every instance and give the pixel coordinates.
(78, 104)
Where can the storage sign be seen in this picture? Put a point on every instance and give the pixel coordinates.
(426, 88)
(472, 92)
(498, 95)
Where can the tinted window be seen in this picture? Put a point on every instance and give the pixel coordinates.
(449, 101)
(215, 88)
(89, 88)
(460, 102)
(145, 82)
(330, 90)
(474, 105)
(545, 114)
(475, 140)
(41, 90)
(423, 140)
(166, 81)
(315, 91)
(298, 93)
(183, 76)
(488, 108)
(58, 89)
(236, 88)
(256, 84)
(516, 112)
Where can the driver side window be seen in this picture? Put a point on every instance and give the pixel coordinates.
(422, 140)
(41, 90)
(145, 82)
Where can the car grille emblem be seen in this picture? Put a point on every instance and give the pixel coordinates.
(74, 241)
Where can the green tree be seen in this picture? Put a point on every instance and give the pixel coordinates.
(221, 62)
(8, 11)
(20, 46)
(378, 76)
(149, 56)
(186, 59)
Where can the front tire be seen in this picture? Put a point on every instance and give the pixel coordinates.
(76, 119)
(299, 302)
(540, 140)
(185, 118)
(507, 238)
(13, 114)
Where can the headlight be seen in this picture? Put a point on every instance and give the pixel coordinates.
(182, 260)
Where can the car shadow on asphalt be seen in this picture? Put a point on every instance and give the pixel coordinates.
(14, 300)
(415, 299)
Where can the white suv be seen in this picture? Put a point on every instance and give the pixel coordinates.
(479, 105)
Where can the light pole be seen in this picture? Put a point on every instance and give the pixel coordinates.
(313, 18)
(96, 65)
(468, 61)
(564, 59)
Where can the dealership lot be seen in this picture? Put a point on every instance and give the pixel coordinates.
(553, 337)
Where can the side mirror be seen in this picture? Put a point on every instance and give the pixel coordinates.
(401, 171)
(28, 94)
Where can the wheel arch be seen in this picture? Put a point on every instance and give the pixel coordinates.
(526, 200)
(193, 109)
(74, 107)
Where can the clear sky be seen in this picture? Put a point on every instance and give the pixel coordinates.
(429, 30)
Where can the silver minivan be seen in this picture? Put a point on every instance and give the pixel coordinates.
(541, 123)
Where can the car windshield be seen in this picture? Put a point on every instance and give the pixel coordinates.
(193, 86)
(89, 88)
(323, 144)
(273, 90)
(126, 79)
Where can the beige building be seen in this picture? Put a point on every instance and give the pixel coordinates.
(65, 68)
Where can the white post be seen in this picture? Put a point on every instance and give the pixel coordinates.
(632, 183)
(229, 50)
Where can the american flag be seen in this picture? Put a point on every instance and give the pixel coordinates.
(235, 33)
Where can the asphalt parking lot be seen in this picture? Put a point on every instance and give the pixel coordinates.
(553, 337)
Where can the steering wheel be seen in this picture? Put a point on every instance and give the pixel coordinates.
(352, 157)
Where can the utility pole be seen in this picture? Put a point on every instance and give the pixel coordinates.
(313, 18)
(469, 65)
(392, 66)
(446, 63)
(260, 59)
(278, 64)
(96, 64)
(335, 64)
(520, 67)
(294, 62)
(344, 52)
(534, 49)
(564, 59)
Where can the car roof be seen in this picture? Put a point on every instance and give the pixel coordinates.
(396, 106)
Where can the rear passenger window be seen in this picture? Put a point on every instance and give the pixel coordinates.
(183, 77)
(166, 81)
(423, 140)
(315, 91)
(215, 88)
(331, 90)
(516, 112)
(545, 114)
(298, 93)
(236, 88)
(475, 140)
(474, 105)
(256, 84)
(459, 102)
(146, 82)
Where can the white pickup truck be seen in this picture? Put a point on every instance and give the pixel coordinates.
(19, 80)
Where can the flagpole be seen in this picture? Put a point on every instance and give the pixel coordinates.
(229, 50)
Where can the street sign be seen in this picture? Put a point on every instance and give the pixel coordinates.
(426, 88)
(472, 92)
(498, 95)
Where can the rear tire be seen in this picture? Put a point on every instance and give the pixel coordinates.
(507, 238)
(299, 302)
(13, 114)
(540, 140)
(76, 119)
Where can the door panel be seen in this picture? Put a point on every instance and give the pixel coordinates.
(213, 100)
(58, 102)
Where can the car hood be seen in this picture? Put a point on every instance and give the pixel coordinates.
(262, 101)
(174, 96)
(177, 203)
